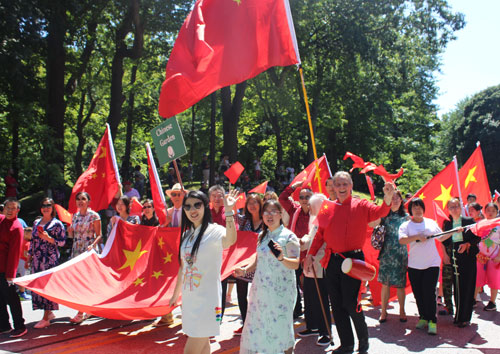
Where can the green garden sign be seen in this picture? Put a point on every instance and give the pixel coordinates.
(168, 141)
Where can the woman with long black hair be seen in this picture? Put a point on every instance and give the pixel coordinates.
(200, 258)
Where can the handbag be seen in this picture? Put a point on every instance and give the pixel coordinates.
(378, 236)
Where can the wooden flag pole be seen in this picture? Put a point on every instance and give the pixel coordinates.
(313, 143)
(179, 179)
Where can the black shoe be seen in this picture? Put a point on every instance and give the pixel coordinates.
(5, 330)
(344, 350)
(308, 333)
(18, 332)
(297, 314)
(323, 340)
(363, 346)
(490, 307)
(445, 311)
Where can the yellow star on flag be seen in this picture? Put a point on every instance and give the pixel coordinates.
(94, 175)
(445, 195)
(103, 152)
(103, 175)
(167, 258)
(139, 281)
(237, 1)
(470, 176)
(160, 242)
(422, 196)
(132, 256)
(157, 274)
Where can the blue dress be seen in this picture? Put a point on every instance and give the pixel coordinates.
(45, 255)
(269, 322)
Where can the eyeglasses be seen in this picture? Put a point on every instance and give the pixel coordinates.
(197, 205)
(272, 212)
(46, 205)
(175, 194)
(147, 207)
(304, 197)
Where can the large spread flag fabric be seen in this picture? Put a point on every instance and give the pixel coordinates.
(135, 276)
(225, 42)
(473, 178)
(440, 189)
(101, 178)
(309, 177)
(154, 180)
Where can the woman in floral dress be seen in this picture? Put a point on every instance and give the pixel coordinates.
(393, 258)
(86, 233)
(269, 323)
(48, 233)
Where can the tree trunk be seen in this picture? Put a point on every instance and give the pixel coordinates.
(213, 104)
(273, 119)
(130, 124)
(80, 126)
(55, 87)
(132, 21)
(14, 118)
(230, 118)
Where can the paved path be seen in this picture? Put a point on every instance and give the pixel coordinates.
(98, 335)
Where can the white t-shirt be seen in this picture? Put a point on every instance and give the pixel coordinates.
(422, 255)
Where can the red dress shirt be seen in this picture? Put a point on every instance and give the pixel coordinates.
(346, 230)
(219, 217)
(11, 240)
(302, 225)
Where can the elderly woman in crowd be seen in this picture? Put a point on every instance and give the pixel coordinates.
(48, 234)
(393, 257)
(269, 323)
(85, 230)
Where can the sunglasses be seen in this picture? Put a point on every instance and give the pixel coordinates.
(147, 207)
(81, 199)
(272, 212)
(197, 205)
(305, 197)
(46, 205)
(175, 194)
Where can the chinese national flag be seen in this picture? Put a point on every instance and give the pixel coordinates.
(156, 191)
(240, 254)
(234, 172)
(473, 178)
(135, 207)
(132, 279)
(63, 215)
(240, 201)
(261, 188)
(101, 178)
(310, 179)
(440, 190)
(225, 42)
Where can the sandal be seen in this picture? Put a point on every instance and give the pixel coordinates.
(403, 319)
(382, 320)
(79, 318)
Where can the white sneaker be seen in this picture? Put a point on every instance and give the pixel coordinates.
(42, 324)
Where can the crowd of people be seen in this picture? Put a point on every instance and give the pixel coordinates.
(296, 256)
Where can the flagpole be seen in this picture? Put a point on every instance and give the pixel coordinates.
(313, 143)
(458, 185)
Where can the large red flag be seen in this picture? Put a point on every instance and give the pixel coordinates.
(101, 178)
(473, 178)
(63, 215)
(134, 277)
(440, 189)
(309, 177)
(156, 191)
(222, 43)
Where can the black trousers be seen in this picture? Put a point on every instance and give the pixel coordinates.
(423, 284)
(9, 297)
(343, 291)
(242, 292)
(312, 306)
(223, 297)
(297, 311)
(464, 288)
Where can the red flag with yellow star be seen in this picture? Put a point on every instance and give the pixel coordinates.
(312, 180)
(473, 178)
(222, 43)
(440, 189)
(101, 178)
(156, 191)
(133, 278)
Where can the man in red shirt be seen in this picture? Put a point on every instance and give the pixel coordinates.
(11, 240)
(345, 234)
